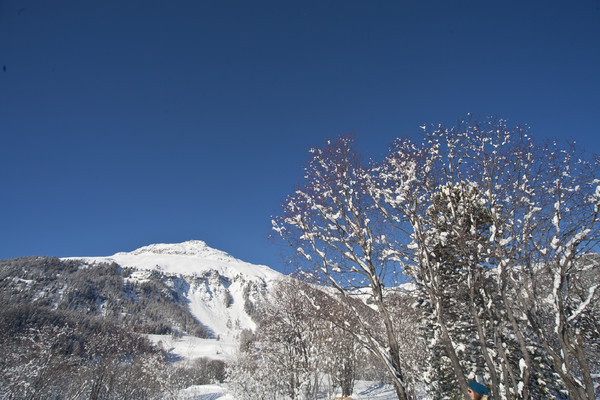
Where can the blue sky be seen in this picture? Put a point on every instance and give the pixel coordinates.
(129, 123)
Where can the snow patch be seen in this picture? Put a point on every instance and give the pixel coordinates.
(191, 348)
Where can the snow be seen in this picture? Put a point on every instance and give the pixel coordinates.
(191, 348)
(205, 392)
(213, 283)
(584, 304)
(522, 366)
(363, 390)
(187, 258)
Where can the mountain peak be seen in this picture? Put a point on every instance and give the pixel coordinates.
(194, 248)
(187, 258)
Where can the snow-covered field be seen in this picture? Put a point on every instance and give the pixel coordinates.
(205, 392)
(362, 391)
(190, 347)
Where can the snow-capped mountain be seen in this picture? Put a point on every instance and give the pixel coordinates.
(220, 291)
(193, 257)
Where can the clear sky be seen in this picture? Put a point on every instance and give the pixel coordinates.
(126, 123)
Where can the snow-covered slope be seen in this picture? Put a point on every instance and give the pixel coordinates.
(188, 258)
(219, 289)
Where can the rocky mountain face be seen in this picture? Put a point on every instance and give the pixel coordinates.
(158, 289)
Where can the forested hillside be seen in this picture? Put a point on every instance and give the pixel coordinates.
(73, 330)
(146, 305)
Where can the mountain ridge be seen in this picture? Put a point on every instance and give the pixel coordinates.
(219, 290)
(187, 248)
(186, 258)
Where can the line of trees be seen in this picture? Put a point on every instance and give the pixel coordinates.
(496, 232)
(53, 354)
(304, 346)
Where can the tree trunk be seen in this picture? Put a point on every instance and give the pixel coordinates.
(447, 342)
(394, 348)
(482, 343)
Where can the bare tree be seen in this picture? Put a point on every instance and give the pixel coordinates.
(332, 223)
(297, 342)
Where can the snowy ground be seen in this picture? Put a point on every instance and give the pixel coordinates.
(205, 392)
(362, 391)
(191, 348)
